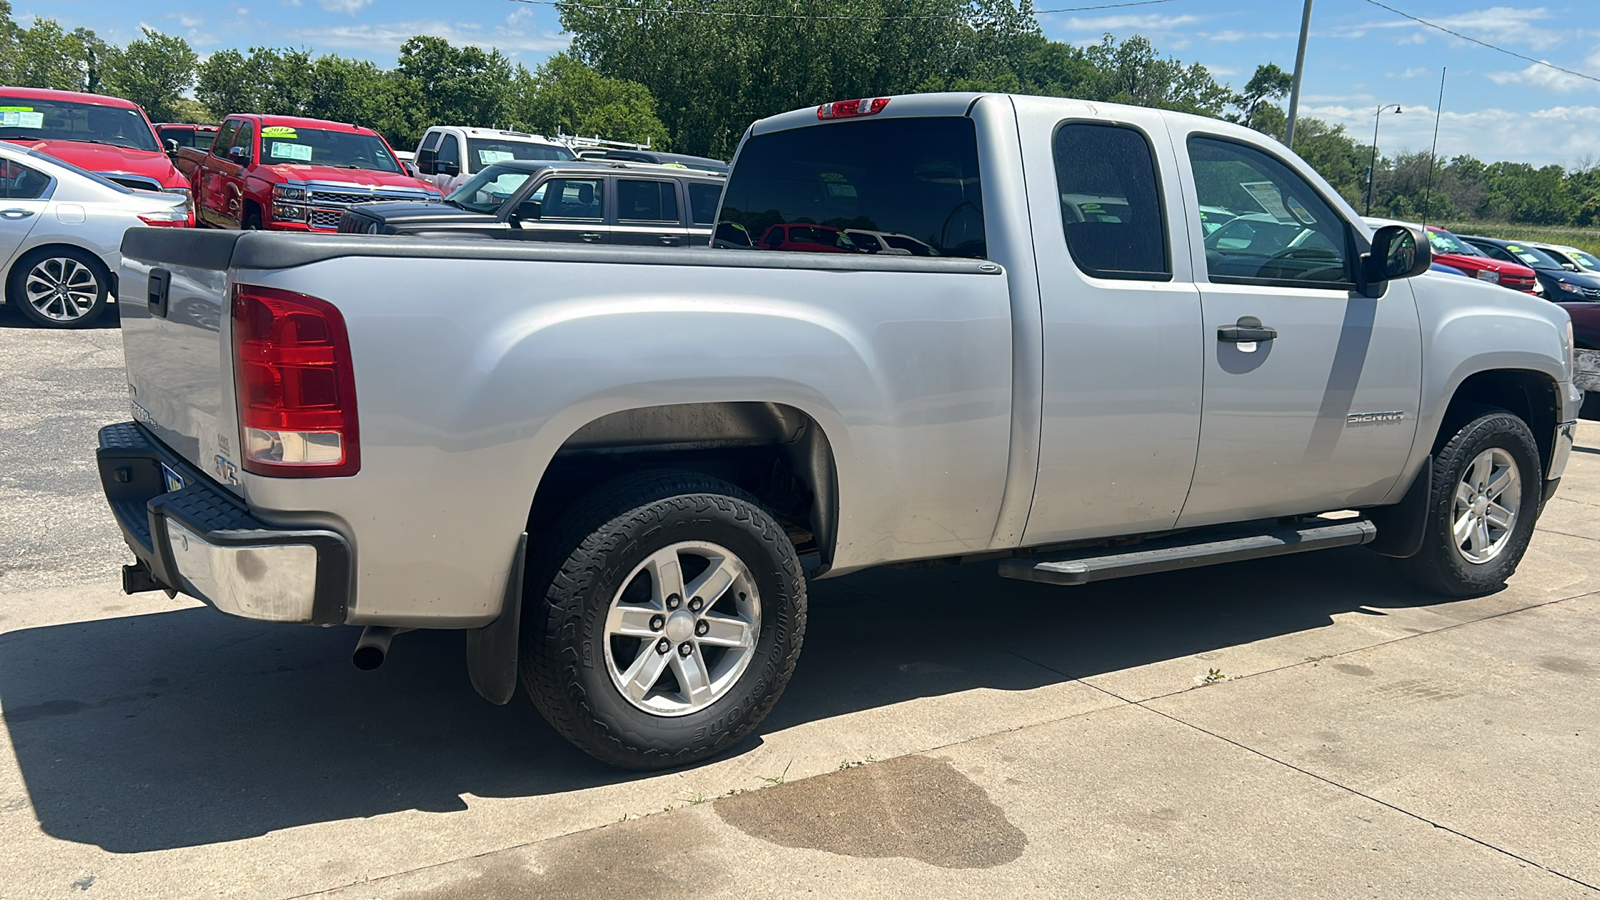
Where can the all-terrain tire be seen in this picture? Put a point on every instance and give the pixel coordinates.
(584, 562)
(1442, 566)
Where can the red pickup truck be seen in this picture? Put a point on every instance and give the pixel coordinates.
(108, 136)
(292, 174)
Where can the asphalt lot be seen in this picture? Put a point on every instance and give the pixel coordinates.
(948, 733)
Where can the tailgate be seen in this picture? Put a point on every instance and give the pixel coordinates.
(174, 305)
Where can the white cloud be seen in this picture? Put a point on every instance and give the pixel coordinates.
(350, 7)
(384, 39)
(1229, 36)
(1143, 24)
(1499, 24)
(1544, 77)
(1560, 134)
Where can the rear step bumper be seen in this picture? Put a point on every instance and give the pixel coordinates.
(202, 541)
(1185, 552)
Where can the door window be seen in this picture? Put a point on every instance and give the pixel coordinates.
(18, 182)
(219, 147)
(428, 151)
(1111, 202)
(565, 198)
(450, 150)
(246, 138)
(703, 200)
(647, 201)
(1282, 233)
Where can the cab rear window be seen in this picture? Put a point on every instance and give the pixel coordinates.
(913, 183)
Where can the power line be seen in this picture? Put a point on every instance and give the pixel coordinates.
(1538, 62)
(665, 10)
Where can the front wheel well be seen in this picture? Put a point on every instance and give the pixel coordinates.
(776, 452)
(1531, 396)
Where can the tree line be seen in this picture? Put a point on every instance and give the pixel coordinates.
(692, 74)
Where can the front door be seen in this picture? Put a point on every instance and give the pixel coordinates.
(1311, 388)
(564, 209)
(648, 214)
(211, 201)
(1121, 319)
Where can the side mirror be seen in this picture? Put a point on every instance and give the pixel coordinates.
(408, 168)
(240, 154)
(446, 168)
(172, 148)
(1398, 251)
(1570, 267)
(425, 166)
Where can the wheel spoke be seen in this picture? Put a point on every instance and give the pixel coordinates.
(726, 631)
(1481, 468)
(1499, 483)
(1499, 516)
(645, 671)
(630, 621)
(692, 676)
(666, 576)
(715, 580)
(1464, 496)
(1480, 535)
(1463, 527)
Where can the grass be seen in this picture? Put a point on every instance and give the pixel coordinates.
(1582, 238)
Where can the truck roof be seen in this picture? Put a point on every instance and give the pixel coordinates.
(606, 165)
(302, 122)
(472, 131)
(68, 96)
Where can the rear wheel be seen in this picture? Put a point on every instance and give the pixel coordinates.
(1483, 509)
(59, 287)
(663, 620)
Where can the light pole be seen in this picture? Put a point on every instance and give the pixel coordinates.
(1299, 68)
(1372, 165)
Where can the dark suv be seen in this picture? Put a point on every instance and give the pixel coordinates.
(537, 200)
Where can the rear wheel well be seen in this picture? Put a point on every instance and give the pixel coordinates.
(775, 452)
(1530, 396)
(44, 250)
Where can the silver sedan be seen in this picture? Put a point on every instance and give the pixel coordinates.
(61, 235)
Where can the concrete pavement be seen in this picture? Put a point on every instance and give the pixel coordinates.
(1304, 727)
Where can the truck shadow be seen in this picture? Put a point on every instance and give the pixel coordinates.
(186, 728)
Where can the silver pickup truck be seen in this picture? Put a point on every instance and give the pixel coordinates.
(1113, 341)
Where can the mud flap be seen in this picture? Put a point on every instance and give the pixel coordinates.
(492, 649)
(1403, 526)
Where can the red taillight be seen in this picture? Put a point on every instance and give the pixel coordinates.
(295, 386)
(166, 220)
(845, 109)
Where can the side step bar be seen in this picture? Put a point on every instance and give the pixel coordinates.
(1183, 552)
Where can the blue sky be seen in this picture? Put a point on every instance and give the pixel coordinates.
(1495, 106)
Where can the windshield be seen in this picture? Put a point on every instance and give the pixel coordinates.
(487, 152)
(23, 119)
(286, 145)
(1532, 256)
(1585, 261)
(1445, 242)
(488, 189)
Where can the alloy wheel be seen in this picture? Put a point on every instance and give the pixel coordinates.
(1487, 501)
(61, 289)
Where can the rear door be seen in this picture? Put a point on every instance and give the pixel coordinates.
(648, 213)
(565, 209)
(1121, 317)
(1311, 388)
(231, 178)
(212, 202)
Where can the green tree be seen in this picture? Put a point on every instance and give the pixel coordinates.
(48, 57)
(457, 85)
(1267, 84)
(566, 96)
(153, 71)
(94, 53)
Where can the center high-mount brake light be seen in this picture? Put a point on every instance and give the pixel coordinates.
(295, 386)
(846, 109)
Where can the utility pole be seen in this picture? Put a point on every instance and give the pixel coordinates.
(1438, 111)
(1372, 166)
(1299, 69)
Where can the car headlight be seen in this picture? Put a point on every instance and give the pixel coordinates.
(1489, 275)
(1569, 288)
(290, 194)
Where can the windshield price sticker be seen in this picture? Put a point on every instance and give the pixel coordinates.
(493, 156)
(278, 131)
(285, 150)
(21, 118)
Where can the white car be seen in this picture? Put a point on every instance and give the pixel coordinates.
(61, 234)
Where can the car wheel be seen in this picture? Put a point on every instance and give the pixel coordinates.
(59, 287)
(663, 620)
(252, 222)
(1485, 502)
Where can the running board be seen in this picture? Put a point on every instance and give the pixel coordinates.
(1183, 552)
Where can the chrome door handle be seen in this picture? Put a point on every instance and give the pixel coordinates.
(591, 236)
(668, 239)
(15, 213)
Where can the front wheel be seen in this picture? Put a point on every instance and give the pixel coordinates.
(59, 287)
(663, 620)
(1485, 501)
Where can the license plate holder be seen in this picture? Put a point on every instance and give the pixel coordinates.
(170, 479)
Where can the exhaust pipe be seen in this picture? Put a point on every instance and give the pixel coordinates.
(372, 648)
